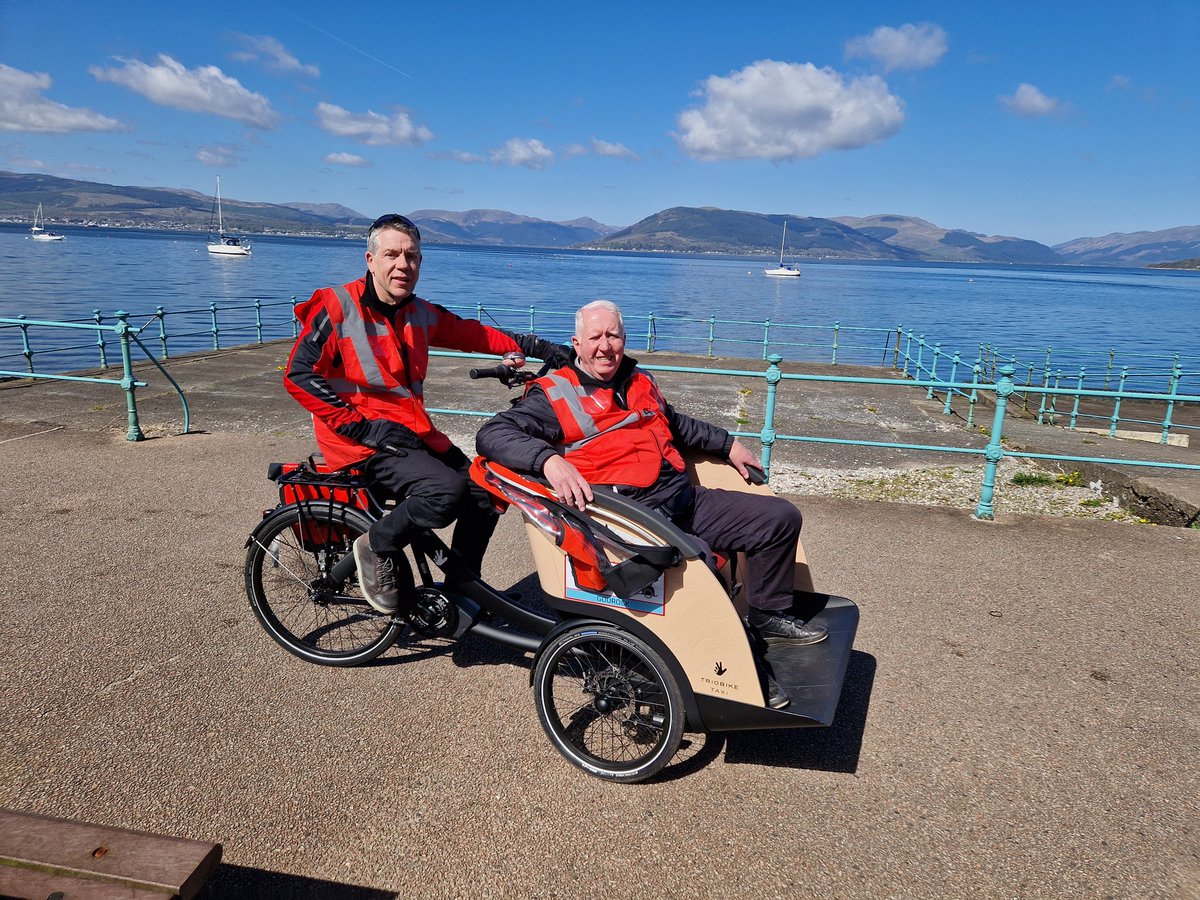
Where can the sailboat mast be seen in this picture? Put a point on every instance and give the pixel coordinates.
(782, 242)
(221, 221)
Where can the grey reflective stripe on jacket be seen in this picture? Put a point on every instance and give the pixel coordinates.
(563, 389)
(355, 327)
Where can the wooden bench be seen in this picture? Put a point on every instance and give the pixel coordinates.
(43, 857)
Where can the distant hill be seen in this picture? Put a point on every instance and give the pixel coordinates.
(334, 211)
(685, 229)
(495, 227)
(681, 229)
(67, 201)
(1137, 249)
(1193, 263)
(935, 243)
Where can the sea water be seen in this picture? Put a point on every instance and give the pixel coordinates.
(1085, 314)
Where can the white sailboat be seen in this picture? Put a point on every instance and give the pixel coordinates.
(38, 230)
(785, 270)
(220, 243)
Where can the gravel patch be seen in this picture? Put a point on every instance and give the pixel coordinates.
(1045, 493)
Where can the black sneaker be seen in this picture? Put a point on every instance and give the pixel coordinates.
(376, 576)
(777, 697)
(780, 628)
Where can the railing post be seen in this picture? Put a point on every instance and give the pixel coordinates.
(100, 345)
(479, 311)
(1116, 415)
(774, 375)
(1108, 372)
(1025, 394)
(650, 333)
(216, 333)
(1054, 397)
(1075, 407)
(26, 350)
(976, 371)
(907, 353)
(295, 321)
(767, 339)
(1176, 377)
(954, 362)
(994, 452)
(161, 315)
(920, 354)
(836, 327)
(258, 319)
(896, 354)
(937, 351)
(532, 319)
(712, 326)
(128, 382)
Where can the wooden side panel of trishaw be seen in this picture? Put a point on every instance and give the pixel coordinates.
(698, 622)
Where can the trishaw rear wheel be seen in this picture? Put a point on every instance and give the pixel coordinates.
(609, 703)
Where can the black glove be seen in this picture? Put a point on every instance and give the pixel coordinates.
(555, 354)
(382, 434)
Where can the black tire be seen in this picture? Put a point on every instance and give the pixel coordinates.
(307, 607)
(608, 703)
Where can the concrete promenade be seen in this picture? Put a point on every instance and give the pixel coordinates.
(1019, 719)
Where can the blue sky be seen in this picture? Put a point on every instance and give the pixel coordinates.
(1047, 121)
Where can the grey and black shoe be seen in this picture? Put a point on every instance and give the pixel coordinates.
(776, 627)
(377, 576)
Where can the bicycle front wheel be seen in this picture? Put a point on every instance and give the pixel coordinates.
(307, 602)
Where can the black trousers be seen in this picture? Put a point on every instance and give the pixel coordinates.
(766, 529)
(433, 490)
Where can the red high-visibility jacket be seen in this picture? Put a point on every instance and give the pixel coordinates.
(609, 444)
(370, 367)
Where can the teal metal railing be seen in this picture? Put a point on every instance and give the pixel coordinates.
(124, 335)
(1041, 387)
(962, 382)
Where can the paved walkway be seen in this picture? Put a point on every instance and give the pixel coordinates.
(1019, 718)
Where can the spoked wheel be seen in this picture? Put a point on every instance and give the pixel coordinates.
(608, 703)
(303, 586)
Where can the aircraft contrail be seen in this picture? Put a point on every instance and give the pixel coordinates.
(334, 37)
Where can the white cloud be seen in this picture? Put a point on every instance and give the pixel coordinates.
(205, 89)
(787, 111)
(458, 156)
(908, 47)
(273, 55)
(1028, 101)
(347, 159)
(1119, 83)
(218, 155)
(604, 148)
(528, 152)
(23, 108)
(371, 128)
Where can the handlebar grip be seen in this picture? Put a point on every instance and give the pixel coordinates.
(501, 372)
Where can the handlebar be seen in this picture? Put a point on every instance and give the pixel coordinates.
(506, 375)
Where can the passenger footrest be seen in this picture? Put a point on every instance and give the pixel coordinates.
(812, 675)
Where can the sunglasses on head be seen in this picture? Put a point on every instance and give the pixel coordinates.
(396, 219)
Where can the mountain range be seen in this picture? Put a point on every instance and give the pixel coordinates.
(675, 230)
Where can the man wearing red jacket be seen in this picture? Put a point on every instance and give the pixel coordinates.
(601, 420)
(359, 367)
